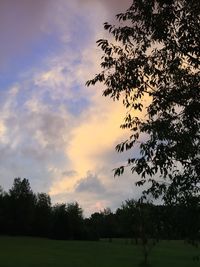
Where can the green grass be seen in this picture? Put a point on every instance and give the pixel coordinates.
(29, 252)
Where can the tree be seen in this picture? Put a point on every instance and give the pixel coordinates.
(128, 217)
(96, 225)
(42, 214)
(153, 65)
(75, 220)
(2, 210)
(109, 223)
(22, 207)
(59, 221)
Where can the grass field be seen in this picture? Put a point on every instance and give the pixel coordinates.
(29, 252)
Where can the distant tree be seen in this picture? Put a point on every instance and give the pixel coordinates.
(153, 65)
(2, 210)
(21, 207)
(1, 191)
(42, 218)
(24, 213)
(96, 225)
(109, 224)
(67, 221)
(75, 220)
(59, 222)
(128, 218)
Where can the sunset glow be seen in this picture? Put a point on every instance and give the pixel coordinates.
(54, 130)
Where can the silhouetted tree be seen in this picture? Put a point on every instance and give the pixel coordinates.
(128, 218)
(96, 225)
(24, 213)
(146, 229)
(109, 224)
(42, 218)
(21, 206)
(153, 66)
(75, 221)
(59, 221)
(2, 211)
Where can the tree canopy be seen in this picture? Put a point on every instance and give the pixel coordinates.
(152, 63)
(22, 212)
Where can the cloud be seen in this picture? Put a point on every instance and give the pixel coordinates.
(20, 23)
(25, 23)
(112, 6)
(97, 192)
(69, 173)
(91, 184)
(55, 131)
(98, 132)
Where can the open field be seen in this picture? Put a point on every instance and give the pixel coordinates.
(29, 252)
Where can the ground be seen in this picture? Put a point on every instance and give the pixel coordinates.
(29, 252)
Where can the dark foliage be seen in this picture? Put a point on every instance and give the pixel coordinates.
(24, 213)
(154, 67)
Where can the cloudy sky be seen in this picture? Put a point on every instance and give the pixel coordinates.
(53, 130)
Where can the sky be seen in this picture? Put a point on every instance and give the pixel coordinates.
(54, 130)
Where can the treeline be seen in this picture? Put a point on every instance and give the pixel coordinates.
(22, 212)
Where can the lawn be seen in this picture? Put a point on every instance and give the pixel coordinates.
(29, 252)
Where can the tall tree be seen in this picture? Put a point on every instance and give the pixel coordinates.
(153, 65)
(75, 220)
(128, 217)
(42, 218)
(22, 206)
(2, 210)
(59, 222)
